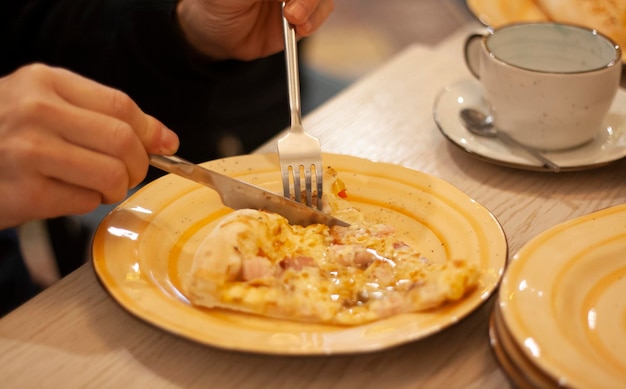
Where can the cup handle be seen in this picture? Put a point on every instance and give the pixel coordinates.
(471, 52)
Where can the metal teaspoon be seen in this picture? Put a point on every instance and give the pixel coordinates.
(480, 124)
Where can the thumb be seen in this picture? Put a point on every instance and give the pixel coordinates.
(156, 137)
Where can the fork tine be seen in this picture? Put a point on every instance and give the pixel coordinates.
(296, 182)
(286, 185)
(294, 176)
(319, 182)
(308, 186)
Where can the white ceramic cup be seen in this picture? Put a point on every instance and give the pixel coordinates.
(548, 85)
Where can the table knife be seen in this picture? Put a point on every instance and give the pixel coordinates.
(239, 194)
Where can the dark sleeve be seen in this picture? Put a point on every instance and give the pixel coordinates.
(136, 46)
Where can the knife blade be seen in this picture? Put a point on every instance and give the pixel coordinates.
(239, 194)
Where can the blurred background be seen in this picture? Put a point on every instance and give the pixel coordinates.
(362, 34)
(359, 36)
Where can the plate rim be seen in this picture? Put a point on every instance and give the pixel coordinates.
(518, 367)
(361, 348)
(552, 369)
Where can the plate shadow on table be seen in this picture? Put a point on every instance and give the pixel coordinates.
(359, 370)
(583, 182)
(561, 194)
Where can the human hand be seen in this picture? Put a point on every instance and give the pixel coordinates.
(68, 144)
(246, 29)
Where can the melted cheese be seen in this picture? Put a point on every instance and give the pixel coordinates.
(256, 262)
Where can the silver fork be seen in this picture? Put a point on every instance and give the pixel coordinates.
(298, 151)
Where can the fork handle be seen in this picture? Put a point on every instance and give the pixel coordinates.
(293, 79)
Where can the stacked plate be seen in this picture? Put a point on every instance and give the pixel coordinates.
(560, 320)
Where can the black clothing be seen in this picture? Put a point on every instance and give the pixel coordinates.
(69, 241)
(16, 286)
(136, 46)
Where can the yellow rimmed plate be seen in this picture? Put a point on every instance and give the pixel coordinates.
(520, 370)
(144, 247)
(562, 300)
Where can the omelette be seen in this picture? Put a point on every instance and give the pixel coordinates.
(256, 262)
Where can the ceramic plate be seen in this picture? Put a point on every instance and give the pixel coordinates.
(562, 299)
(143, 248)
(519, 369)
(495, 13)
(608, 146)
(514, 373)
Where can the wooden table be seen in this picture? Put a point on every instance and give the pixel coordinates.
(75, 335)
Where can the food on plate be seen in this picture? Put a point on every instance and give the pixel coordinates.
(606, 16)
(499, 12)
(256, 262)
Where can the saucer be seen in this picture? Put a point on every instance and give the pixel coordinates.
(608, 146)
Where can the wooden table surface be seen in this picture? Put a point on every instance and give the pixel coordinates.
(75, 335)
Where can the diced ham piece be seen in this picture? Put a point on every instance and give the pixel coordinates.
(255, 268)
(296, 263)
(338, 233)
(383, 273)
(383, 230)
(400, 245)
(351, 255)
